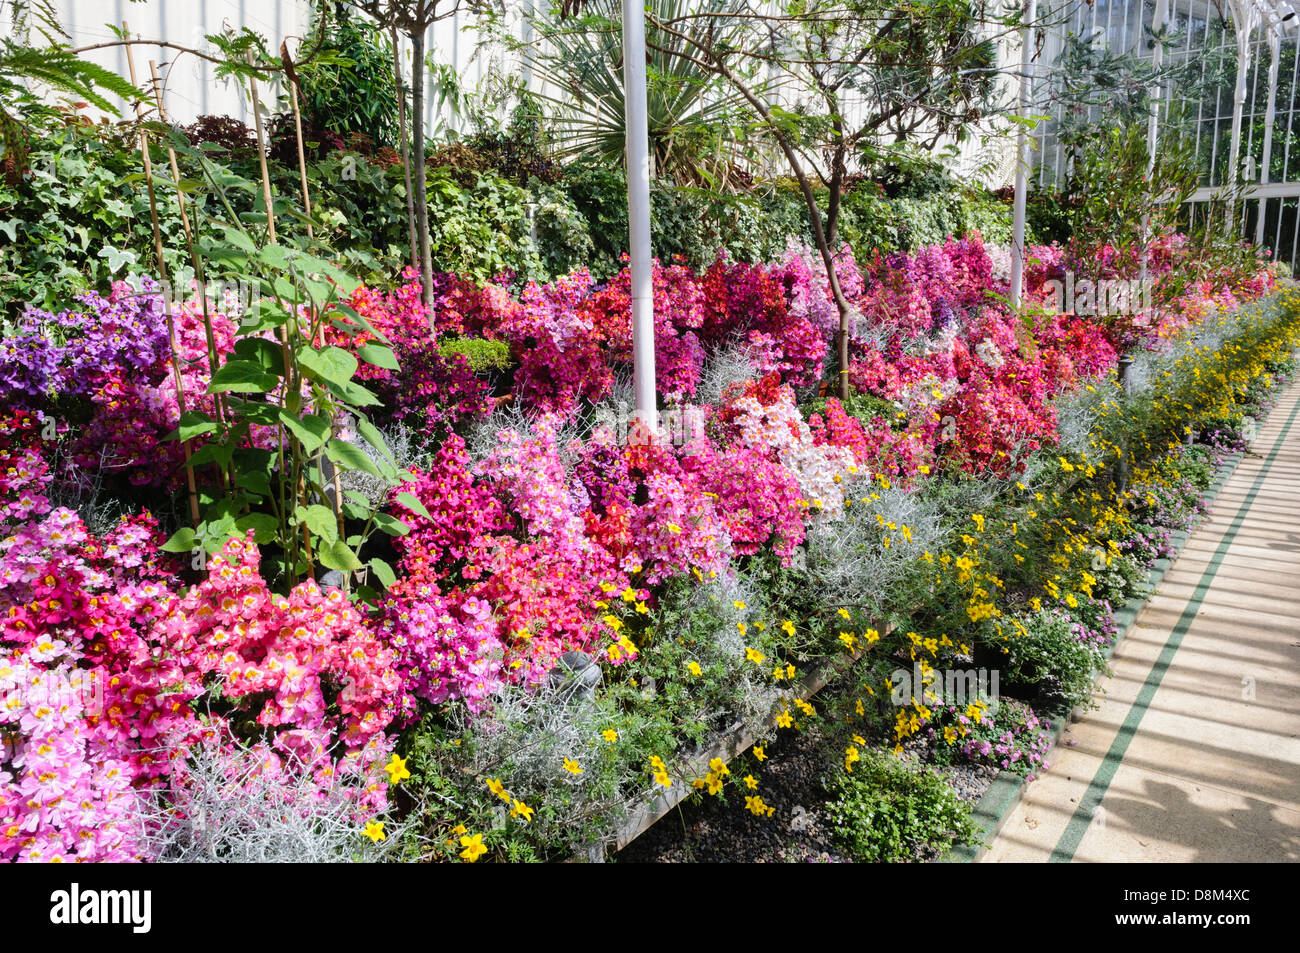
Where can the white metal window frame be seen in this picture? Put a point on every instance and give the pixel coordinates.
(1266, 36)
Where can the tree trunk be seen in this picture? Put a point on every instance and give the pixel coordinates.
(421, 182)
(814, 217)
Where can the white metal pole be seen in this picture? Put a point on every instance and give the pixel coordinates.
(1022, 156)
(1270, 116)
(638, 208)
(1244, 22)
(1158, 17)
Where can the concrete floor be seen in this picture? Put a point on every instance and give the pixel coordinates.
(1193, 753)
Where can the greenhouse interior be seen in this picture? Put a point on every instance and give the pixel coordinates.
(650, 431)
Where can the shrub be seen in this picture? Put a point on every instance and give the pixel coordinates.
(883, 811)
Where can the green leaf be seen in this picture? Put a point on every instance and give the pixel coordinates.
(212, 453)
(352, 393)
(379, 356)
(331, 365)
(265, 527)
(117, 258)
(266, 354)
(391, 524)
(311, 430)
(242, 376)
(240, 239)
(193, 423)
(373, 437)
(338, 556)
(383, 572)
(412, 503)
(350, 457)
(320, 521)
(273, 256)
(264, 314)
(181, 541)
(358, 321)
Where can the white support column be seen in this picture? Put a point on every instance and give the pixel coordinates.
(638, 205)
(1158, 17)
(1244, 17)
(1270, 115)
(1022, 155)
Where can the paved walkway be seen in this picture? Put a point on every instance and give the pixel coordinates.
(1194, 751)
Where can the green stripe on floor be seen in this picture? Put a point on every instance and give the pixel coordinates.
(1082, 818)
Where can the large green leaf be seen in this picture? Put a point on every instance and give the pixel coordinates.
(330, 365)
(379, 356)
(320, 522)
(350, 457)
(312, 430)
(413, 504)
(240, 375)
(265, 527)
(338, 556)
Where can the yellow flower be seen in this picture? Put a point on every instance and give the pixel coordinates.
(375, 831)
(804, 707)
(759, 753)
(397, 770)
(497, 788)
(849, 640)
(756, 807)
(789, 671)
(522, 811)
(714, 783)
(629, 595)
(610, 735)
(718, 767)
(474, 847)
(754, 655)
(572, 766)
(750, 781)
(738, 604)
(742, 627)
(784, 720)
(642, 608)
(851, 757)
(845, 613)
(693, 668)
(788, 627)
(674, 528)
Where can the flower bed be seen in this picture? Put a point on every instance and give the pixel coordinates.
(933, 519)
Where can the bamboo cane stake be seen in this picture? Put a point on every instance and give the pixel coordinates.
(297, 127)
(195, 260)
(147, 162)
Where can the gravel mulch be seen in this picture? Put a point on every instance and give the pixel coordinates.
(720, 830)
